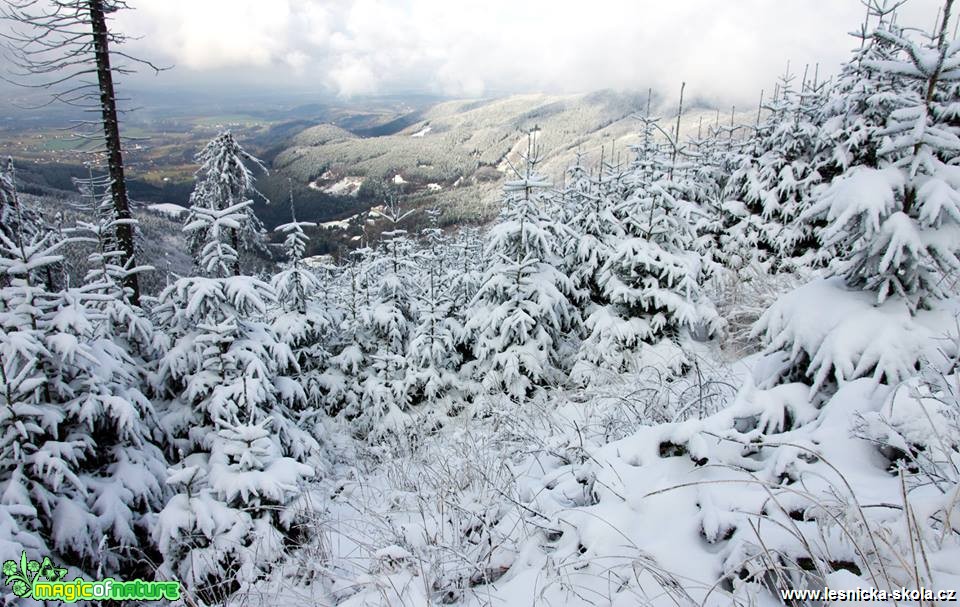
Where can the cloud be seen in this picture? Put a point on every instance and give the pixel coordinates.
(208, 34)
(728, 50)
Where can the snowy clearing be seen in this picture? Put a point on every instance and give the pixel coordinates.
(347, 186)
(174, 211)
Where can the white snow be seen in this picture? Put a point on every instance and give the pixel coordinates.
(174, 211)
(319, 261)
(422, 132)
(683, 379)
(340, 224)
(347, 186)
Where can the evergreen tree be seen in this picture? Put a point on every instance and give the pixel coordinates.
(465, 268)
(710, 177)
(233, 397)
(433, 372)
(652, 278)
(125, 476)
(856, 108)
(302, 322)
(16, 221)
(384, 399)
(520, 318)
(82, 468)
(38, 477)
(895, 214)
(592, 226)
(892, 215)
(223, 181)
(774, 181)
(350, 363)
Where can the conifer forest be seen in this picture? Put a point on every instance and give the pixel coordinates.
(720, 367)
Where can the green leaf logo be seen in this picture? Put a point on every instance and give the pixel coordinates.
(21, 576)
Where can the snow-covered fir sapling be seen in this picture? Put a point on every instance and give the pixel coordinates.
(111, 392)
(224, 181)
(652, 278)
(905, 238)
(858, 104)
(464, 269)
(36, 471)
(521, 316)
(9, 202)
(593, 227)
(392, 270)
(16, 221)
(302, 321)
(81, 471)
(775, 179)
(342, 380)
(709, 178)
(894, 217)
(233, 397)
(295, 284)
(433, 375)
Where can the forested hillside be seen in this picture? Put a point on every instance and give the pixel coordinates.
(457, 154)
(719, 369)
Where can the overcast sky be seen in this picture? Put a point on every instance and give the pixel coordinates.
(725, 50)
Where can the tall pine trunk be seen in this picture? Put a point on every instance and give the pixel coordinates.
(235, 243)
(111, 133)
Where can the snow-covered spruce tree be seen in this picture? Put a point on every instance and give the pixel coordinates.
(384, 400)
(898, 222)
(707, 173)
(223, 181)
(343, 379)
(240, 453)
(433, 376)
(301, 321)
(521, 318)
(592, 228)
(730, 230)
(774, 181)
(9, 202)
(895, 219)
(850, 114)
(652, 278)
(465, 267)
(38, 476)
(857, 106)
(16, 221)
(81, 471)
(125, 469)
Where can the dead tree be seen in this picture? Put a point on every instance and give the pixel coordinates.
(66, 48)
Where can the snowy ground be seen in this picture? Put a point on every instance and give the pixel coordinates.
(700, 490)
(508, 504)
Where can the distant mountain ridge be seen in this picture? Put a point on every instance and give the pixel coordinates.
(456, 154)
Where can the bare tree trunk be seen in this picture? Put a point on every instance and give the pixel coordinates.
(111, 133)
(235, 243)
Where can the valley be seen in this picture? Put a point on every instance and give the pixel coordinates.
(339, 158)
